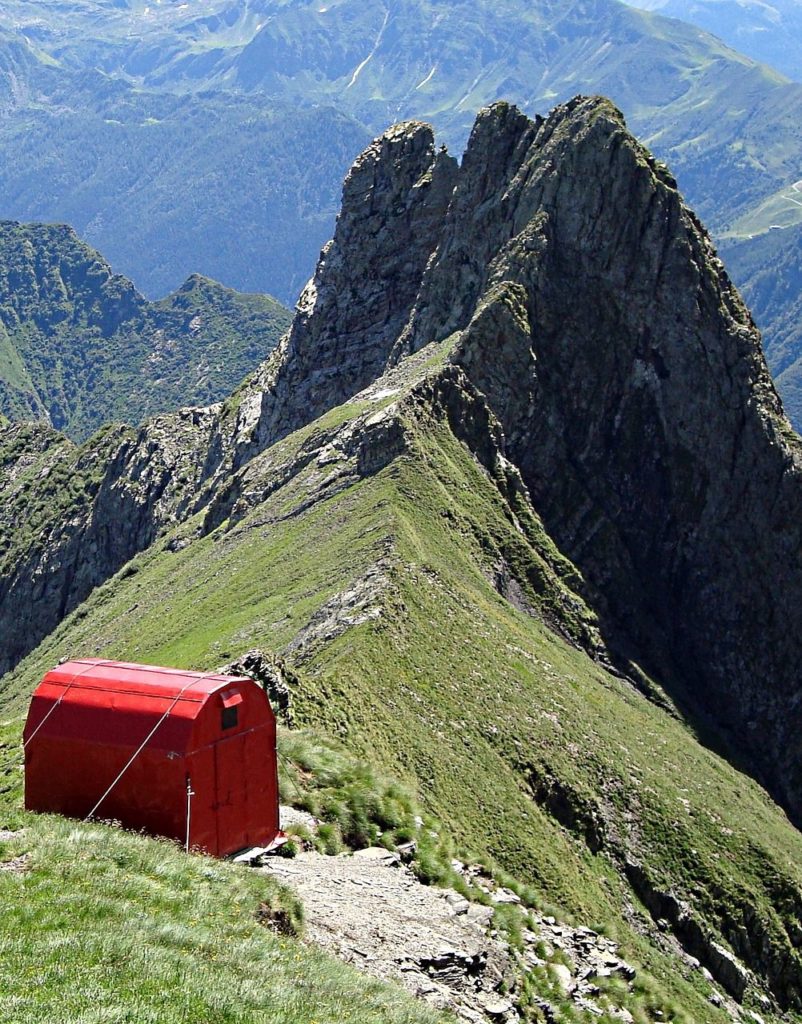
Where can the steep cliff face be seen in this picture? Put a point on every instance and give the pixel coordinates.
(636, 402)
(561, 271)
(71, 517)
(595, 316)
(352, 311)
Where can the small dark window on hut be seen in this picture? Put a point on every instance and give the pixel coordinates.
(229, 717)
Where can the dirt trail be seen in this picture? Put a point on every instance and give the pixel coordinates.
(371, 911)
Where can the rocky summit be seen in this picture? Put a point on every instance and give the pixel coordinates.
(539, 353)
(587, 305)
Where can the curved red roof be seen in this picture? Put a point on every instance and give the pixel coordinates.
(145, 680)
(137, 743)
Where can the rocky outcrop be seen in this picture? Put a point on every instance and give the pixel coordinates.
(590, 309)
(618, 368)
(351, 313)
(592, 312)
(273, 674)
(71, 517)
(634, 397)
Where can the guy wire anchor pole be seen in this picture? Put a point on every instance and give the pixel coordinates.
(190, 794)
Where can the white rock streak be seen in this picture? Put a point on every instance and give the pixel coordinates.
(372, 52)
(427, 79)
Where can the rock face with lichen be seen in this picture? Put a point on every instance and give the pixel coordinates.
(593, 348)
(592, 313)
(635, 401)
(629, 381)
(273, 674)
(352, 311)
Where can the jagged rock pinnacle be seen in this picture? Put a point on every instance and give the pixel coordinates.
(587, 305)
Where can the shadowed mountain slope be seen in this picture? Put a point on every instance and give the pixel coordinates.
(498, 484)
(769, 269)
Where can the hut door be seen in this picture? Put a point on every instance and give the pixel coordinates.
(232, 808)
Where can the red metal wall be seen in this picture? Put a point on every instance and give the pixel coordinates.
(234, 777)
(89, 737)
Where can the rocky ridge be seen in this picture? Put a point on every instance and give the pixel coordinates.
(369, 908)
(653, 487)
(566, 315)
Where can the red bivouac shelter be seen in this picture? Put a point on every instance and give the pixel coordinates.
(187, 755)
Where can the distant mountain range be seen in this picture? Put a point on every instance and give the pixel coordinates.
(79, 346)
(214, 141)
(768, 30)
(167, 185)
(726, 123)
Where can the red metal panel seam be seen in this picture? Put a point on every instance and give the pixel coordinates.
(77, 675)
(143, 744)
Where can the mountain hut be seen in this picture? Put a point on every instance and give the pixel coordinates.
(187, 755)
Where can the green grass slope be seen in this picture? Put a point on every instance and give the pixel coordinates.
(768, 32)
(102, 925)
(80, 347)
(385, 595)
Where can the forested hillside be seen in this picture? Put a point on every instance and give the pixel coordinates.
(80, 347)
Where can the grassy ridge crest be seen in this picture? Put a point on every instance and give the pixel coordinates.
(385, 594)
